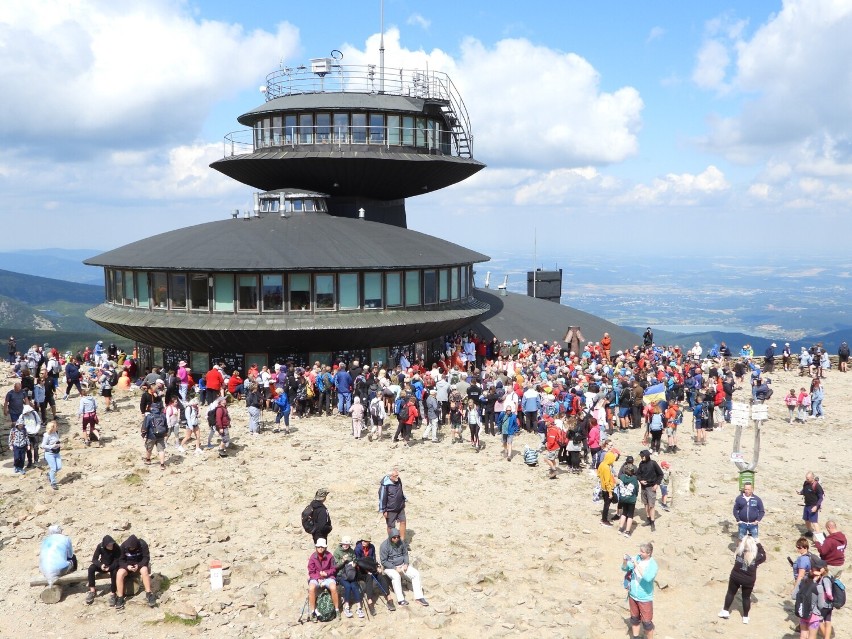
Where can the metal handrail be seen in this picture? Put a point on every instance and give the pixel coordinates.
(244, 141)
(434, 85)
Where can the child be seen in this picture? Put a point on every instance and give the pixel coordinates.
(674, 418)
(357, 412)
(377, 417)
(456, 421)
(698, 422)
(471, 417)
(803, 401)
(19, 442)
(790, 402)
(282, 408)
(664, 484)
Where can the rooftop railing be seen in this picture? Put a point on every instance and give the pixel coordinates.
(325, 76)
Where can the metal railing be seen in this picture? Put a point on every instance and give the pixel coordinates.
(434, 85)
(425, 140)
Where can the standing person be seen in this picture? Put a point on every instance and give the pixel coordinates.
(813, 602)
(12, 349)
(154, 432)
(749, 555)
(343, 384)
(316, 519)
(410, 416)
(107, 378)
(813, 495)
(607, 480)
(223, 426)
(51, 445)
(213, 383)
(88, 410)
(254, 401)
(471, 416)
(656, 427)
(817, 397)
(832, 549)
(641, 571)
(843, 356)
(72, 377)
(554, 438)
(32, 424)
(182, 375)
(357, 411)
(432, 415)
(392, 502)
(790, 403)
(508, 428)
(19, 443)
(748, 511)
(649, 475)
(15, 401)
(377, 418)
(191, 415)
(104, 560)
(173, 422)
(393, 555)
(802, 565)
(282, 411)
(627, 497)
(135, 559)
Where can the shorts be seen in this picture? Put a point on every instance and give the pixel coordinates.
(624, 411)
(394, 517)
(106, 392)
(507, 439)
(809, 516)
(642, 611)
(671, 432)
(552, 455)
(804, 624)
(649, 495)
(160, 443)
(627, 509)
(664, 490)
(322, 583)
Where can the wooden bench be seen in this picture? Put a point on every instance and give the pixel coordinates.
(53, 594)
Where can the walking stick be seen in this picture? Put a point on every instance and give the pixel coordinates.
(302, 614)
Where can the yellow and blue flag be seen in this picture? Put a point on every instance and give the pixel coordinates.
(654, 394)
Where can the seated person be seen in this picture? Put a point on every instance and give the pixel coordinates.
(371, 573)
(321, 572)
(134, 559)
(394, 558)
(105, 560)
(347, 576)
(56, 557)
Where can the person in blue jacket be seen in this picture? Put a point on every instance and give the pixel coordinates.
(640, 572)
(748, 511)
(56, 557)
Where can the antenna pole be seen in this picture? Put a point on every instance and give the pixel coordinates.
(382, 49)
(535, 256)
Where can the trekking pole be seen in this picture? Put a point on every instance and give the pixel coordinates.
(302, 614)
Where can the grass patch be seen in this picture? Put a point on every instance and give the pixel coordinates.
(133, 479)
(170, 618)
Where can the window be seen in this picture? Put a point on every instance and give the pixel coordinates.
(408, 131)
(177, 288)
(421, 131)
(393, 289)
(300, 292)
(444, 284)
(393, 129)
(223, 292)
(297, 205)
(306, 128)
(247, 292)
(289, 129)
(258, 133)
(372, 290)
(432, 142)
(347, 285)
(341, 128)
(430, 288)
(118, 290)
(267, 134)
(377, 128)
(198, 293)
(160, 291)
(323, 128)
(142, 289)
(276, 130)
(128, 288)
(465, 282)
(324, 292)
(454, 283)
(359, 128)
(412, 288)
(273, 292)
(309, 205)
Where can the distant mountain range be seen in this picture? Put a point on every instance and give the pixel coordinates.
(735, 341)
(63, 264)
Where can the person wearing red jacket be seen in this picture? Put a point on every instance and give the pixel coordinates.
(213, 382)
(321, 572)
(554, 438)
(832, 550)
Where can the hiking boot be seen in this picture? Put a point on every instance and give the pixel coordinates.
(653, 527)
(314, 617)
(90, 598)
(112, 599)
(151, 598)
(391, 606)
(222, 453)
(119, 603)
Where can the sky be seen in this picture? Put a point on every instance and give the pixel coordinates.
(606, 127)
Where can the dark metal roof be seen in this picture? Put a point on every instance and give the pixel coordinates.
(260, 333)
(334, 102)
(310, 241)
(354, 170)
(516, 316)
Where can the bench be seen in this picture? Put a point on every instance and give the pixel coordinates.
(53, 594)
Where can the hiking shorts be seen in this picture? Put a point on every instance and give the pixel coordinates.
(670, 432)
(394, 517)
(160, 443)
(649, 495)
(807, 515)
(642, 611)
(328, 582)
(552, 455)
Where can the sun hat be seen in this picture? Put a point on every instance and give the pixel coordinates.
(320, 543)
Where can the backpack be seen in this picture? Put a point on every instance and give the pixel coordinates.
(705, 412)
(403, 413)
(838, 590)
(844, 352)
(211, 418)
(309, 390)
(374, 409)
(113, 378)
(806, 599)
(308, 522)
(320, 383)
(530, 456)
(158, 425)
(325, 606)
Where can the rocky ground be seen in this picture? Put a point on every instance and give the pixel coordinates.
(503, 551)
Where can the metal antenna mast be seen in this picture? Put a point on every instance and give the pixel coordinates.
(382, 49)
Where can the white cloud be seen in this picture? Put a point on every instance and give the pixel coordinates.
(83, 75)
(418, 20)
(683, 189)
(759, 190)
(655, 34)
(711, 65)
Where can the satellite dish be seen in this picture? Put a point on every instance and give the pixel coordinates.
(336, 54)
(262, 88)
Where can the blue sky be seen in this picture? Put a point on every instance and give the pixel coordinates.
(603, 125)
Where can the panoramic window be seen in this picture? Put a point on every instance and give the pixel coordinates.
(377, 128)
(430, 287)
(128, 288)
(359, 128)
(177, 288)
(160, 290)
(393, 289)
(412, 288)
(198, 294)
(117, 287)
(223, 292)
(408, 130)
(300, 292)
(421, 131)
(341, 128)
(465, 279)
(247, 292)
(273, 292)
(289, 129)
(323, 128)
(142, 289)
(324, 292)
(267, 137)
(306, 128)
(372, 290)
(276, 130)
(348, 290)
(393, 129)
(444, 284)
(454, 283)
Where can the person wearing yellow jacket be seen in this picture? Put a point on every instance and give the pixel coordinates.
(607, 484)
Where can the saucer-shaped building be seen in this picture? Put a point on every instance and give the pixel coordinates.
(323, 266)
